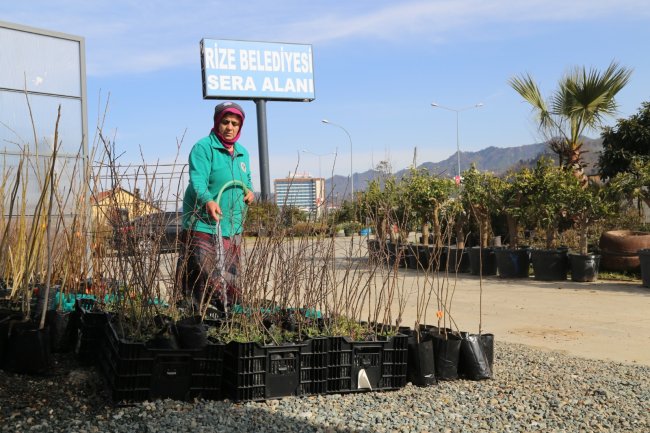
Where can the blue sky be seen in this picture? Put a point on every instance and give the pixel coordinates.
(378, 65)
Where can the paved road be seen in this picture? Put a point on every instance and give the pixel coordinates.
(602, 320)
(607, 320)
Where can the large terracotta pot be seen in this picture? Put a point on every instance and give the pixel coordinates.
(619, 248)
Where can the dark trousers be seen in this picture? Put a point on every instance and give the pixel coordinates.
(207, 268)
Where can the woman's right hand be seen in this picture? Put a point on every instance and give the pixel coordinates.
(213, 210)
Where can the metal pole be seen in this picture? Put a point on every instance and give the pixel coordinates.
(457, 111)
(351, 171)
(327, 122)
(263, 149)
(457, 143)
(319, 155)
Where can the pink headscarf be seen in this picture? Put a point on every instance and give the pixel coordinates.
(217, 119)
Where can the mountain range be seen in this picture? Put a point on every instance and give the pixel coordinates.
(494, 159)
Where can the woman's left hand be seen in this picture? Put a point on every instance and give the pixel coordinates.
(249, 197)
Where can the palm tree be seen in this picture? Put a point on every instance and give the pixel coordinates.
(581, 102)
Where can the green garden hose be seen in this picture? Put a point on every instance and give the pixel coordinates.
(219, 240)
(228, 184)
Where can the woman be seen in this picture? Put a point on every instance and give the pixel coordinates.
(214, 208)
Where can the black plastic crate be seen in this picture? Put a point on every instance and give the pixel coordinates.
(314, 364)
(136, 372)
(384, 364)
(256, 372)
(90, 326)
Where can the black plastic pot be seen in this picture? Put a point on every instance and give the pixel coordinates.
(482, 261)
(550, 265)
(63, 330)
(423, 257)
(28, 348)
(191, 333)
(473, 362)
(411, 256)
(373, 246)
(396, 254)
(644, 258)
(377, 250)
(458, 260)
(437, 258)
(488, 347)
(166, 337)
(163, 341)
(5, 320)
(584, 267)
(421, 366)
(429, 258)
(512, 263)
(446, 352)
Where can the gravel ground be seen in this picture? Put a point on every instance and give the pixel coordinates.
(532, 391)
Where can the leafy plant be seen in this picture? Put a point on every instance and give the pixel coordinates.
(633, 184)
(479, 192)
(586, 206)
(548, 196)
(427, 195)
(627, 141)
(511, 195)
(583, 98)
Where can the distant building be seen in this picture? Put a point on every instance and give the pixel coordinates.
(302, 191)
(117, 206)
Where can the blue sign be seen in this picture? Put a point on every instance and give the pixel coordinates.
(257, 70)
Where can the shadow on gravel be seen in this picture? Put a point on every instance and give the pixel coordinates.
(74, 398)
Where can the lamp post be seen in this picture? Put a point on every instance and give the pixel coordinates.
(327, 122)
(320, 183)
(457, 111)
(319, 155)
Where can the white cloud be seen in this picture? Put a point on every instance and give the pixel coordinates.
(126, 36)
(432, 20)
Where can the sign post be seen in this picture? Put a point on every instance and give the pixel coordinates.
(258, 71)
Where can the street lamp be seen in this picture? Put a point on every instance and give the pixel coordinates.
(320, 182)
(319, 155)
(457, 110)
(327, 122)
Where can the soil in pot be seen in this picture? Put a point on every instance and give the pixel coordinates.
(550, 265)
(584, 267)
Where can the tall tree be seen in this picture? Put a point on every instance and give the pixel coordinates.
(480, 198)
(583, 99)
(427, 195)
(625, 142)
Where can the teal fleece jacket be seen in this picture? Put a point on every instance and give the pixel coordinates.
(210, 167)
